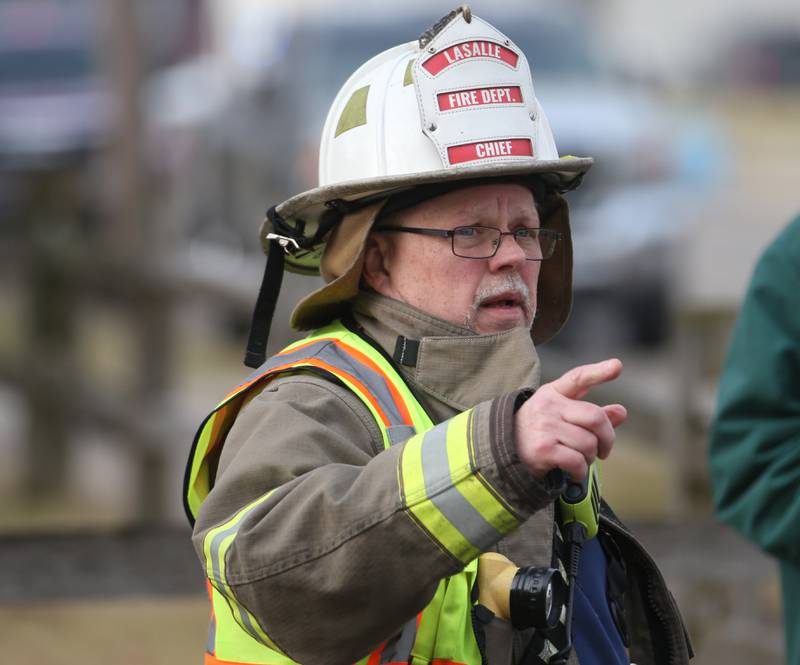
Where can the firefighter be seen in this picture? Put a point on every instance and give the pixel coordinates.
(364, 494)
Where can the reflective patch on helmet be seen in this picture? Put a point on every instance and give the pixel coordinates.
(470, 152)
(469, 50)
(461, 99)
(355, 111)
(408, 78)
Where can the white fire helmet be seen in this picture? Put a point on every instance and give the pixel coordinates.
(457, 105)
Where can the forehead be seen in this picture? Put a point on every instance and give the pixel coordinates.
(509, 199)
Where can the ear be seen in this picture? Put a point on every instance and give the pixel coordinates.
(377, 255)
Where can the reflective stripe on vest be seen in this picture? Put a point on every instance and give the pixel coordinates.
(439, 485)
(333, 350)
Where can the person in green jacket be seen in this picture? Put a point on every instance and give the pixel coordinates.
(755, 439)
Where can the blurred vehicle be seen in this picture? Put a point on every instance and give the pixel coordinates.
(55, 98)
(54, 106)
(54, 110)
(54, 116)
(260, 146)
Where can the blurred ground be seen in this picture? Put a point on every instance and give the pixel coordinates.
(727, 591)
(155, 631)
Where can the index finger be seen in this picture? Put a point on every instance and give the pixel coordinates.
(579, 380)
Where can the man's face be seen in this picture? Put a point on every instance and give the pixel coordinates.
(486, 295)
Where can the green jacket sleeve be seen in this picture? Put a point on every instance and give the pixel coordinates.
(755, 440)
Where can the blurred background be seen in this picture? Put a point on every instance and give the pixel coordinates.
(140, 144)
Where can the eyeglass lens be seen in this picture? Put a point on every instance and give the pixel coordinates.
(477, 242)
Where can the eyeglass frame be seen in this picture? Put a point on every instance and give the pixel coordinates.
(451, 233)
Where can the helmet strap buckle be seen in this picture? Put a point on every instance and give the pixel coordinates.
(289, 245)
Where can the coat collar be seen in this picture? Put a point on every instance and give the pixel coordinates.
(450, 367)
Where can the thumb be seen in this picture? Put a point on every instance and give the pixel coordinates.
(616, 413)
(579, 380)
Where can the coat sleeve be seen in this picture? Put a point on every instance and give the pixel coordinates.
(755, 441)
(331, 544)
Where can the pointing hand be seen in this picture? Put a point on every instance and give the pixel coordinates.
(556, 429)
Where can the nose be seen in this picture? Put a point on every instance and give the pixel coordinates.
(509, 254)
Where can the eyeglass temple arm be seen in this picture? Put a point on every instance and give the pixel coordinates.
(442, 233)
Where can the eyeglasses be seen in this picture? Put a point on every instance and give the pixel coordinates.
(482, 242)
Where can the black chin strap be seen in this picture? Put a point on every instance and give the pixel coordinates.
(264, 310)
(287, 238)
(284, 238)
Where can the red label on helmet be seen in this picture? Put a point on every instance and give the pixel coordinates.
(461, 99)
(467, 50)
(469, 152)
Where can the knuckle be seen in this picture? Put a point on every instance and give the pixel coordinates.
(545, 408)
(598, 418)
(576, 375)
(545, 393)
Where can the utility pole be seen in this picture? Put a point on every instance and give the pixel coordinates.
(132, 239)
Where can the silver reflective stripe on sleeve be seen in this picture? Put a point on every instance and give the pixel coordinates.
(450, 502)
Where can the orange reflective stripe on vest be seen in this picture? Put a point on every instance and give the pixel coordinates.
(327, 354)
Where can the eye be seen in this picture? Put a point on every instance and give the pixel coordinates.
(465, 231)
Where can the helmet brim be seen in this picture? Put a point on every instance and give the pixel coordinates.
(562, 175)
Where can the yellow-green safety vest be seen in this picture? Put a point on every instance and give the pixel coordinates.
(442, 633)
